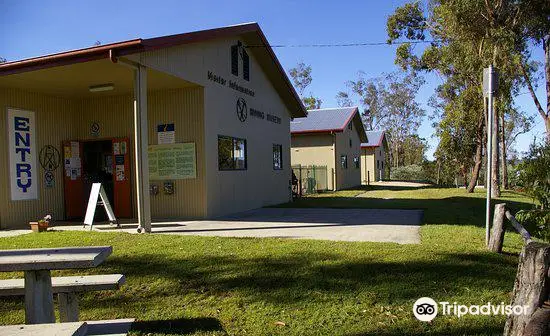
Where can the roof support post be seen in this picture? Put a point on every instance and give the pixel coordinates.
(141, 142)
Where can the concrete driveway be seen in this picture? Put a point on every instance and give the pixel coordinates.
(373, 225)
(367, 225)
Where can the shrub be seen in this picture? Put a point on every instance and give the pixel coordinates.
(534, 174)
(537, 222)
(412, 172)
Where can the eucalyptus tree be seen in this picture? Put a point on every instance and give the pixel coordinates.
(465, 36)
(301, 78)
(388, 103)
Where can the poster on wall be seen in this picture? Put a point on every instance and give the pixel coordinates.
(172, 162)
(22, 155)
(166, 134)
(72, 160)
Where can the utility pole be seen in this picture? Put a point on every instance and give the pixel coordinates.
(490, 86)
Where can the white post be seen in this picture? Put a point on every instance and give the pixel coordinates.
(141, 141)
(488, 183)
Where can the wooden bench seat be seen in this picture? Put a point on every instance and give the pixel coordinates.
(66, 289)
(102, 327)
(57, 329)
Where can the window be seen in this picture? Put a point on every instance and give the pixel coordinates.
(246, 66)
(350, 143)
(356, 161)
(350, 126)
(235, 60)
(344, 161)
(236, 52)
(231, 153)
(277, 157)
(377, 164)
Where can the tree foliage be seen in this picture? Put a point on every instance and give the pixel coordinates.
(534, 174)
(312, 103)
(466, 36)
(301, 78)
(388, 103)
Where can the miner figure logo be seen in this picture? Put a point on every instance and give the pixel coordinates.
(242, 110)
(50, 158)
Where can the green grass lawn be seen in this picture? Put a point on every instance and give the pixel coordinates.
(247, 286)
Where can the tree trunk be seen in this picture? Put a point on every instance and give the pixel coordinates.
(438, 171)
(477, 167)
(530, 287)
(495, 191)
(546, 48)
(497, 233)
(503, 156)
(545, 115)
(478, 157)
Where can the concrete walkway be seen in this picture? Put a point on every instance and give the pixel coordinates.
(400, 184)
(372, 225)
(13, 233)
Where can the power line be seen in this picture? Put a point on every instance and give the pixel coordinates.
(331, 45)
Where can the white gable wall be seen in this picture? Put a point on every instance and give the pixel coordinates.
(259, 185)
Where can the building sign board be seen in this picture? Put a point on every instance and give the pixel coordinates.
(172, 161)
(22, 155)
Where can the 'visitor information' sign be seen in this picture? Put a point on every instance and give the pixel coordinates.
(22, 154)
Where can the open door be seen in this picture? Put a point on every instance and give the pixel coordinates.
(122, 178)
(72, 178)
(106, 161)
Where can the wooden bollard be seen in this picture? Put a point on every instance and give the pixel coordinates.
(497, 232)
(531, 289)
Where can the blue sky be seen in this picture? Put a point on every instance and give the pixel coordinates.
(32, 28)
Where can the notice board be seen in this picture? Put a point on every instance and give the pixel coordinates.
(172, 161)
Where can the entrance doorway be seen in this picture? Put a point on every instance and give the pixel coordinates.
(97, 167)
(90, 161)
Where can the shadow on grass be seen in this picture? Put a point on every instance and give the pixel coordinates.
(451, 210)
(177, 326)
(292, 278)
(310, 280)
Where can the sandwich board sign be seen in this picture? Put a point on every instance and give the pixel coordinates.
(98, 192)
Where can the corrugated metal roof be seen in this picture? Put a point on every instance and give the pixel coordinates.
(374, 139)
(114, 50)
(329, 119)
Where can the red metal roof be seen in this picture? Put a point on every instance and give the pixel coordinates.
(140, 45)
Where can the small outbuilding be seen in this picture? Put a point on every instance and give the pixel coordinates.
(331, 138)
(187, 126)
(373, 157)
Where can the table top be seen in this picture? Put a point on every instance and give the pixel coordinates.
(57, 329)
(53, 258)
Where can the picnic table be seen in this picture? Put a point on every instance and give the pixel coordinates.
(57, 329)
(37, 265)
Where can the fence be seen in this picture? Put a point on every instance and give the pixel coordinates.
(311, 179)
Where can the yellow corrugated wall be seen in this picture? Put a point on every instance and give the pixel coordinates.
(60, 119)
(184, 108)
(54, 118)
